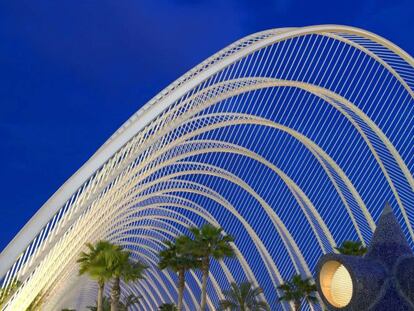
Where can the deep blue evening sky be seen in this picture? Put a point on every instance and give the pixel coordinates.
(71, 72)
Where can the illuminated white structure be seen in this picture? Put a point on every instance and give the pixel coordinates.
(290, 139)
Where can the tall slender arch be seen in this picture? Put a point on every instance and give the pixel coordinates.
(291, 139)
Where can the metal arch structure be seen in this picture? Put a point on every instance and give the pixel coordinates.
(290, 139)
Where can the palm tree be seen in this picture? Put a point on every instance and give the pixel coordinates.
(173, 257)
(130, 300)
(123, 268)
(208, 242)
(167, 307)
(297, 290)
(353, 248)
(123, 306)
(243, 297)
(95, 264)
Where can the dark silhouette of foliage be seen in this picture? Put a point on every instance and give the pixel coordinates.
(167, 307)
(243, 297)
(298, 290)
(354, 248)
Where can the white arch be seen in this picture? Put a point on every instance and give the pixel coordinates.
(58, 224)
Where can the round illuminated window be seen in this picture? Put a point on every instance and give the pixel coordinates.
(336, 284)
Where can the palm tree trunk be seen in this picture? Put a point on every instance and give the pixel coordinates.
(297, 305)
(181, 285)
(99, 301)
(205, 267)
(115, 294)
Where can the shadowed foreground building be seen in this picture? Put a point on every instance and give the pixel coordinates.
(381, 280)
(290, 139)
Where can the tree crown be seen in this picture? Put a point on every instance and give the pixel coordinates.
(209, 241)
(243, 296)
(353, 248)
(298, 289)
(175, 257)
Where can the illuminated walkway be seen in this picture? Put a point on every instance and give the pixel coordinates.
(291, 139)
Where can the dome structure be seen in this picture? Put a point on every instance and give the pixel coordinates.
(290, 139)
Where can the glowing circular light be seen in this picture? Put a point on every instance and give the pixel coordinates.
(341, 286)
(336, 284)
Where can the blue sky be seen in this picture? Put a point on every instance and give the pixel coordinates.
(71, 72)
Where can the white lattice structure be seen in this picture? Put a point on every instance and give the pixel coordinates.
(291, 139)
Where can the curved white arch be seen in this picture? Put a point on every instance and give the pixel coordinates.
(108, 180)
